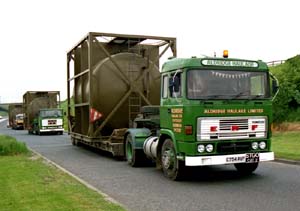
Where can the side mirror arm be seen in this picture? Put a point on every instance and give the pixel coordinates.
(276, 87)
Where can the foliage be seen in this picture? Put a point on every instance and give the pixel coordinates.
(286, 145)
(27, 183)
(286, 106)
(3, 110)
(64, 106)
(10, 146)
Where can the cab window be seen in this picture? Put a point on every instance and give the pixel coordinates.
(165, 86)
(175, 85)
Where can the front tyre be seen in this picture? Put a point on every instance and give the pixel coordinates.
(246, 168)
(171, 166)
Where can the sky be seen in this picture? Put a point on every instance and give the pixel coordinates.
(36, 34)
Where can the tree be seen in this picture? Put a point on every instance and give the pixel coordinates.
(286, 106)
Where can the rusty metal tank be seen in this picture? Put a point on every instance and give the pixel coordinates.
(13, 110)
(108, 88)
(124, 76)
(33, 101)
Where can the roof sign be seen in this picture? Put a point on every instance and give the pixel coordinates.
(228, 63)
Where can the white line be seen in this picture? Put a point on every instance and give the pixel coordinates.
(2, 120)
(106, 197)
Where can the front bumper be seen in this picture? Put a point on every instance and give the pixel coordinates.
(226, 159)
(52, 130)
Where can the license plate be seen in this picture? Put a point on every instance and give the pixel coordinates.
(51, 122)
(236, 159)
(252, 158)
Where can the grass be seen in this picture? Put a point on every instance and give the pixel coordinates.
(10, 146)
(28, 183)
(3, 110)
(3, 113)
(286, 145)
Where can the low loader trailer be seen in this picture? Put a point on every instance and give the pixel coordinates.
(192, 112)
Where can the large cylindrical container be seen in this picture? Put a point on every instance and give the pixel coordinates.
(111, 77)
(40, 103)
(109, 86)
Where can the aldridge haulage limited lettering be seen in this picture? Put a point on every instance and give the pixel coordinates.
(233, 111)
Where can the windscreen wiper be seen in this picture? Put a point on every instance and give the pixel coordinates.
(237, 95)
(209, 97)
(255, 97)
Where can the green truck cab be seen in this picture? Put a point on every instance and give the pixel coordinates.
(48, 121)
(213, 111)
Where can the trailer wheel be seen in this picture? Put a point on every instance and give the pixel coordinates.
(135, 157)
(171, 166)
(246, 168)
(74, 142)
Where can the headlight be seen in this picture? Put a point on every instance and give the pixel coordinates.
(262, 145)
(209, 148)
(254, 145)
(201, 148)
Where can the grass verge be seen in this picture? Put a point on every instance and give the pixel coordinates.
(286, 145)
(10, 146)
(27, 183)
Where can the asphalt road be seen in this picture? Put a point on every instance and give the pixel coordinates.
(274, 186)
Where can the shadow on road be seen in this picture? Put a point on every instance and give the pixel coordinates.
(216, 174)
(193, 174)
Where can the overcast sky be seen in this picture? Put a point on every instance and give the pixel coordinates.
(35, 34)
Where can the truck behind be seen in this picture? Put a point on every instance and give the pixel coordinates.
(42, 112)
(15, 116)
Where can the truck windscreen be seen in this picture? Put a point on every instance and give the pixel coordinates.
(19, 117)
(227, 84)
(51, 113)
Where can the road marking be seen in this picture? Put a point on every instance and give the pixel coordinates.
(51, 145)
(2, 120)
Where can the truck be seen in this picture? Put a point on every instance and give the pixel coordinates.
(198, 111)
(42, 114)
(15, 116)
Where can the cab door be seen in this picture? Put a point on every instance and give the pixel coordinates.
(171, 100)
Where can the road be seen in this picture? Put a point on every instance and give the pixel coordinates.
(274, 186)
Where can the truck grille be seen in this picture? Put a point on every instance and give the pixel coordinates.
(226, 124)
(237, 147)
(52, 122)
(231, 128)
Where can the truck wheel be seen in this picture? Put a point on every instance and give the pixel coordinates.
(246, 168)
(135, 157)
(171, 166)
(74, 142)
